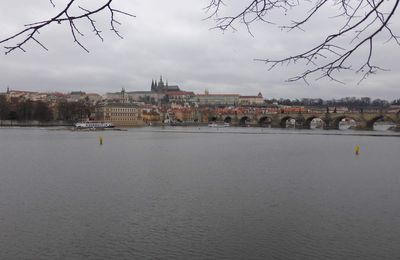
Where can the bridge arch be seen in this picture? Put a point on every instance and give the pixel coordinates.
(265, 121)
(310, 119)
(284, 123)
(244, 121)
(212, 119)
(336, 121)
(371, 123)
(228, 119)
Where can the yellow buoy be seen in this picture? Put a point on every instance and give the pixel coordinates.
(101, 140)
(357, 150)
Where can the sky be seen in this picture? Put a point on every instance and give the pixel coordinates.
(174, 39)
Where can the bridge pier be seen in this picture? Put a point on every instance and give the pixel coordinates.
(300, 122)
(276, 124)
(364, 125)
(329, 123)
(330, 127)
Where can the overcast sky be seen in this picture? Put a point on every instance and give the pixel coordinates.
(171, 38)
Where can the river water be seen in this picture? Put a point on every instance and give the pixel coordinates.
(189, 193)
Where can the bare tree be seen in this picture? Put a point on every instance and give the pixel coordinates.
(359, 22)
(31, 31)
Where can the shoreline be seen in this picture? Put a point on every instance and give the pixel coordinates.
(33, 123)
(202, 129)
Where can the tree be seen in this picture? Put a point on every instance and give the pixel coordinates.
(25, 110)
(66, 15)
(42, 112)
(65, 111)
(396, 102)
(4, 108)
(359, 23)
(73, 111)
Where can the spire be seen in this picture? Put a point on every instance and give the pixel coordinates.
(123, 96)
(161, 83)
(152, 84)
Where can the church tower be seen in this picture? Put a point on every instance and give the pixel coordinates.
(161, 84)
(124, 96)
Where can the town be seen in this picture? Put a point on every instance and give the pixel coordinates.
(166, 104)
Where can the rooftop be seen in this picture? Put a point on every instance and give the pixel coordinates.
(216, 95)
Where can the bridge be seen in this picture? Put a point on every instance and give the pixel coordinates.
(363, 120)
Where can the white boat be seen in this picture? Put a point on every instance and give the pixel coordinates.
(212, 124)
(94, 124)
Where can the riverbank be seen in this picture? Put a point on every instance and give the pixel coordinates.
(33, 123)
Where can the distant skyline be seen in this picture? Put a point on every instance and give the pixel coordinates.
(172, 39)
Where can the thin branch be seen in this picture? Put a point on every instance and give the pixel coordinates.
(363, 21)
(32, 29)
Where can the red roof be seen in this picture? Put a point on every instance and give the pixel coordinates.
(251, 97)
(204, 95)
(179, 93)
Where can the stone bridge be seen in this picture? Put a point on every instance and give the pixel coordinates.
(363, 120)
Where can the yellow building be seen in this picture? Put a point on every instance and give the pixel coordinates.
(150, 116)
(120, 114)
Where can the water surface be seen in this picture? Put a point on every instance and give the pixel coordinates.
(189, 193)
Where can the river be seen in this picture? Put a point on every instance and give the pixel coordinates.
(199, 193)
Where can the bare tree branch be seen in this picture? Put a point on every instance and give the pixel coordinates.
(33, 29)
(363, 21)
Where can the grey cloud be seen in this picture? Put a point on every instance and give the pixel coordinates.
(170, 38)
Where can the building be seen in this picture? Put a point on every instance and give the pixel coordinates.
(184, 114)
(208, 99)
(161, 87)
(180, 97)
(94, 98)
(120, 114)
(160, 92)
(25, 95)
(118, 97)
(150, 115)
(147, 97)
(76, 96)
(251, 100)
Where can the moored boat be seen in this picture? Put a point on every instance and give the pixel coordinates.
(94, 124)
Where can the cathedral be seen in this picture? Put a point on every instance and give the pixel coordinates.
(161, 87)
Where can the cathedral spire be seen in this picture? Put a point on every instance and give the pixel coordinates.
(161, 84)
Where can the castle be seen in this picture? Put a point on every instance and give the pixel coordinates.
(160, 87)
